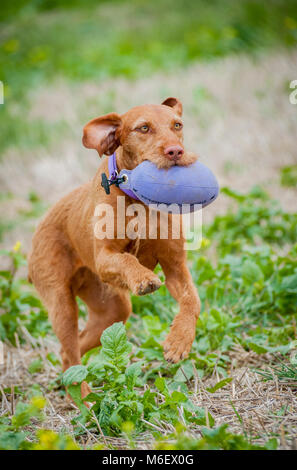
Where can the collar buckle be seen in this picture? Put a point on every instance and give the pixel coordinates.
(106, 183)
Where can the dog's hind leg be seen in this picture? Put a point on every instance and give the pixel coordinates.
(63, 313)
(105, 306)
(52, 264)
(64, 316)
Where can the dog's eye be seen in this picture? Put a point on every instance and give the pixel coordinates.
(144, 129)
(178, 125)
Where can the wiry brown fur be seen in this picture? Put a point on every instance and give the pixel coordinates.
(67, 260)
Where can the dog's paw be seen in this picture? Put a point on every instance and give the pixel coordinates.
(177, 345)
(147, 285)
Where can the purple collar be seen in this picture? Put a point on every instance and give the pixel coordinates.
(113, 174)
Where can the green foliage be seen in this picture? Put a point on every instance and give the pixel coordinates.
(249, 297)
(285, 372)
(19, 305)
(121, 396)
(213, 439)
(14, 435)
(257, 220)
(35, 366)
(50, 440)
(289, 176)
(252, 289)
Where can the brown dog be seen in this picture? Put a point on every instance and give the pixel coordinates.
(68, 260)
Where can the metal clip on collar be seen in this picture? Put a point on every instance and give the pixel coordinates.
(106, 183)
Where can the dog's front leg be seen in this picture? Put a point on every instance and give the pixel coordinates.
(178, 342)
(124, 270)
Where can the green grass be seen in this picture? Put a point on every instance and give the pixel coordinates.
(289, 176)
(249, 298)
(285, 373)
(41, 42)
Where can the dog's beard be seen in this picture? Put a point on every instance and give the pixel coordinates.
(165, 163)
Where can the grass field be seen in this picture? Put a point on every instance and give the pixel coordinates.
(63, 63)
(42, 42)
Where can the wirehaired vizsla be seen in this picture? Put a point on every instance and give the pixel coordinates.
(68, 260)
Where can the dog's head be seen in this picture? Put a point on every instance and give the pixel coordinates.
(149, 132)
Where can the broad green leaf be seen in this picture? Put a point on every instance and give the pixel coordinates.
(75, 392)
(251, 272)
(96, 367)
(257, 348)
(115, 346)
(290, 283)
(203, 345)
(75, 374)
(160, 383)
(11, 440)
(52, 358)
(132, 372)
(178, 397)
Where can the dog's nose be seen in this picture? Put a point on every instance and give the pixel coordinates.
(174, 152)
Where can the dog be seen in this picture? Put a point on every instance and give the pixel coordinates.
(67, 260)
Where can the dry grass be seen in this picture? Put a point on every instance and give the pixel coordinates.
(263, 408)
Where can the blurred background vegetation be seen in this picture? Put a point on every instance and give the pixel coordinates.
(42, 40)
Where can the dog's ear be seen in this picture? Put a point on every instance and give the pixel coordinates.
(175, 104)
(103, 133)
